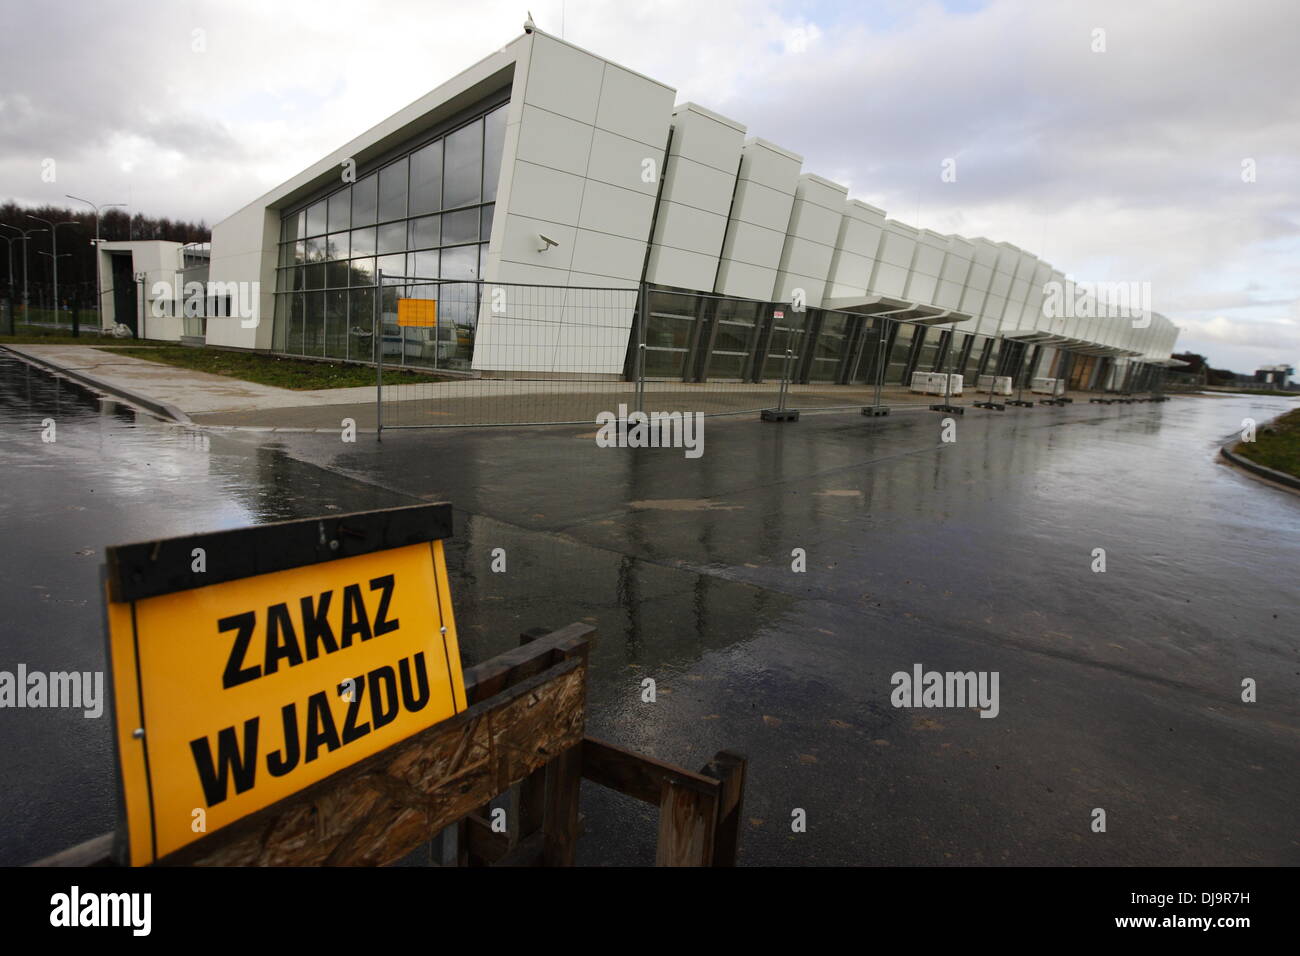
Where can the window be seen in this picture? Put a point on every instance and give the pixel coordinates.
(426, 179)
(316, 219)
(464, 170)
(423, 233)
(460, 227)
(460, 262)
(392, 237)
(392, 191)
(394, 220)
(365, 201)
(340, 212)
(363, 242)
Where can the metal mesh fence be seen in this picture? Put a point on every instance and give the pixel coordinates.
(502, 354)
(516, 354)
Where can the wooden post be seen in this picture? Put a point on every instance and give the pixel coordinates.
(563, 782)
(688, 818)
(729, 768)
(528, 810)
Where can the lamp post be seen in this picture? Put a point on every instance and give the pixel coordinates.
(55, 259)
(26, 234)
(9, 292)
(54, 244)
(99, 281)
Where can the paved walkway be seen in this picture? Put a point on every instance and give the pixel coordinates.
(195, 393)
(224, 402)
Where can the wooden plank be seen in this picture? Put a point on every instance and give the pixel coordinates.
(379, 809)
(687, 825)
(498, 673)
(729, 768)
(637, 776)
(482, 681)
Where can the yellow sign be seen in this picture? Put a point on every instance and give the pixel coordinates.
(417, 313)
(231, 696)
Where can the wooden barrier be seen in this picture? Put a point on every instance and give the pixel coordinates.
(522, 735)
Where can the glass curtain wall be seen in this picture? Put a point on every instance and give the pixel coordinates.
(829, 350)
(900, 352)
(787, 334)
(735, 340)
(927, 355)
(423, 215)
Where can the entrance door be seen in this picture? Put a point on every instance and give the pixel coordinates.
(125, 299)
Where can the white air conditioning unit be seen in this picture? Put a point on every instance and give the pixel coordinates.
(999, 384)
(936, 383)
(1048, 386)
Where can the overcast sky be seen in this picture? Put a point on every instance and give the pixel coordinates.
(1119, 165)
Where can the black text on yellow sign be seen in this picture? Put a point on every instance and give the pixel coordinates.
(233, 696)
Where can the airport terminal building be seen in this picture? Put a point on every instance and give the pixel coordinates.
(563, 209)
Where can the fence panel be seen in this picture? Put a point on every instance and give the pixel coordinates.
(503, 354)
(493, 353)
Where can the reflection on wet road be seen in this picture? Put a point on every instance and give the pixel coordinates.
(1119, 690)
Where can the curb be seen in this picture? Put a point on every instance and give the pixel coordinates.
(1289, 482)
(161, 409)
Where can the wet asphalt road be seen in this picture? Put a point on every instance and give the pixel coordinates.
(1118, 690)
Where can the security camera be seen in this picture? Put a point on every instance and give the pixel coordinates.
(529, 25)
(547, 242)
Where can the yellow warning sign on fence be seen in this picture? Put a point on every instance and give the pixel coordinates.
(417, 313)
(233, 695)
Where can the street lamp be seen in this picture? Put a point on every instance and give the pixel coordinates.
(9, 294)
(25, 233)
(54, 244)
(55, 259)
(99, 281)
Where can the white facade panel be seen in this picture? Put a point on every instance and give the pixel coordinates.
(682, 269)
(743, 279)
(619, 161)
(754, 245)
(683, 227)
(635, 107)
(563, 79)
(770, 165)
(608, 206)
(764, 197)
(705, 137)
(695, 184)
(810, 240)
(602, 254)
(696, 197)
(617, 211)
(762, 205)
(549, 139)
(539, 192)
